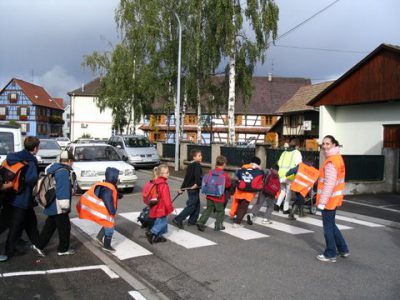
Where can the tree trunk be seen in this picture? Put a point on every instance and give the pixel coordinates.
(231, 100)
(198, 112)
(182, 124)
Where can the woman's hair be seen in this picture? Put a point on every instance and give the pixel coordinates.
(333, 140)
(157, 171)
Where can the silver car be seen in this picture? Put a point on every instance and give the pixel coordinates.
(49, 150)
(136, 149)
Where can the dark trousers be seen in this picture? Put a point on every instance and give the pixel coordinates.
(333, 237)
(212, 206)
(241, 210)
(5, 217)
(62, 224)
(192, 208)
(22, 219)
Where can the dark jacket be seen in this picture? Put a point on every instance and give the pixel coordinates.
(62, 204)
(30, 173)
(105, 193)
(193, 175)
(164, 206)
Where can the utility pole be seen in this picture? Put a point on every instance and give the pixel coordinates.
(178, 96)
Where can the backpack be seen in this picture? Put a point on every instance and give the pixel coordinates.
(250, 180)
(14, 174)
(45, 190)
(144, 218)
(150, 193)
(213, 184)
(272, 185)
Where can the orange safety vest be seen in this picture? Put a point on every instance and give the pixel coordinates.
(337, 196)
(92, 208)
(304, 180)
(13, 173)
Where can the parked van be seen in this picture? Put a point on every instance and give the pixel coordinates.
(135, 149)
(10, 140)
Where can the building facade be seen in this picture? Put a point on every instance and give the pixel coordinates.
(67, 121)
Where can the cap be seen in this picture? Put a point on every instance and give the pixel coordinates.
(66, 155)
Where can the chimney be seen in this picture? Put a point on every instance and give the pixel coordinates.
(83, 87)
(269, 77)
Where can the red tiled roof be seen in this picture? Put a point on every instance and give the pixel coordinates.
(59, 102)
(89, 89)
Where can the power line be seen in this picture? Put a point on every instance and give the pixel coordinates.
(320, 49)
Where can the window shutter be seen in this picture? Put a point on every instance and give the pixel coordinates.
(18, 111)
(28, 111)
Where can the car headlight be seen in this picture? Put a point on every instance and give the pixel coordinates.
(129, 172)
(88, 173)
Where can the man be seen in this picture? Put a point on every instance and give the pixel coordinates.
(22, 203)
(289, 159)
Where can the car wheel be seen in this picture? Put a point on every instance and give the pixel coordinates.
(75, 186)
(129, 190)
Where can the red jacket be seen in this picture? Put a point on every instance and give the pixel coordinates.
(228, 184)
(164, 206)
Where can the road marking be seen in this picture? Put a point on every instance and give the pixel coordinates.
(241, 233)
(136, 295)
(104, 268)
(373, 206)
(355, 221)
(311, 221)
(178, 236)
(125, 248)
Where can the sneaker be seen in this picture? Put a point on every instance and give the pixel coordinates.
(159, 239)
(249, 219)
(236, 225)
(286, 212)
(68, 252)
(150, 236)
(276, 207)
(344, 254)
(323, 258)
(38, 251)
(266, 221)
(201, 227)
(177, 224)
(3, 258)
(109, 249)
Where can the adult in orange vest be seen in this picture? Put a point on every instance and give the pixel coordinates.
(330, 196)
(99, 204)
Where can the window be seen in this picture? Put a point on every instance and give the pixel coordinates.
(23, 111)
(391, 136)
(268, 120)
(293, 121)
(13, 97)
(158, 119)
(3, 111)
(6, 143)
(24, 127)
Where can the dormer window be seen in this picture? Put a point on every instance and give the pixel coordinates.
(13, 97)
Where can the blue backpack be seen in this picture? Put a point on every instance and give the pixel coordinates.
(213, 184)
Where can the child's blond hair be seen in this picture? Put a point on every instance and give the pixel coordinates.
(157, 171)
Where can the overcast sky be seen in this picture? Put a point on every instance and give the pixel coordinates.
(45, 40)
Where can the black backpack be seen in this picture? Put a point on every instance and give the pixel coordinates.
(145, 219)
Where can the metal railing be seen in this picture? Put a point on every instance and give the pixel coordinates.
(309, 156)
(168, 150)
(364, 167)
(237, 156)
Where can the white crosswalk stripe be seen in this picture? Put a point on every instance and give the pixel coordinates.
(241, 233)
(355, 221)
(178, 236)
(125, 248)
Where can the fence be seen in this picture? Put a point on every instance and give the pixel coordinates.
(205, 152)
(237, 156)
(168, 150)
(309, 156)
(364, 167)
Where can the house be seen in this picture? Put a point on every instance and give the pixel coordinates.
(362, 110)
(32, 107)
(86, 117)
(253, 121)
(300, 121)
(67, 121)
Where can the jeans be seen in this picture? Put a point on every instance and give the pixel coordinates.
(108, 231)
(333, 237)
(261, 199)
(62, 224)
(160, 226)
(192, 208)
(219, 213)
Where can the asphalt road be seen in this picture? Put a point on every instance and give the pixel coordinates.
(264, 263)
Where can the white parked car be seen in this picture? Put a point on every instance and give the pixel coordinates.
(49, 150)
(63, 142)
(91, 162)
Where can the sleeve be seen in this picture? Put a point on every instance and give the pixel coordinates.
(298, 158)
(197, 174)
(106, 196)
(292, 171)
(63, 190)
(228, 182)
(329, 184)
(31, 174)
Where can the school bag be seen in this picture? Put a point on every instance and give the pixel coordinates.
(272, 185)
(45, 190)
(250, 180)
(150, 193)
(213, 184)
(14, 174)
(145, 219)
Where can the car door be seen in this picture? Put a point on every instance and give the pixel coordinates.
(119, 145)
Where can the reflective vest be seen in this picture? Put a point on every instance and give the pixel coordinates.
(92, 208)
(337, 196)
(287, 162)
(13, 174)
(304, 180)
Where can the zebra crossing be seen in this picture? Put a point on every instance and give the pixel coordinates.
(191, 239)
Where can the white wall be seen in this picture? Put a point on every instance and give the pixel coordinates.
(359, 128)
(85, 111)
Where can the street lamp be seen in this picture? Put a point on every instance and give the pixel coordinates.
(178, 96)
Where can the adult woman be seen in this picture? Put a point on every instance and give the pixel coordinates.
(329, 197)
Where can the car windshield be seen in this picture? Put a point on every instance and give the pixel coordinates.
(62, 139)
(132, 142)
(49, 145)
(6, 143)
(96, 153)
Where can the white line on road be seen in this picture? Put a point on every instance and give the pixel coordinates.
(104, 268)
(355, 221)
(136, 295)
(373, 206)
(125, 248)
(180, 237)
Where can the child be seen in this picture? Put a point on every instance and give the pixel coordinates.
(242, 199)
(104, 215)
(191, 182)
(163, 208)
(215, 203)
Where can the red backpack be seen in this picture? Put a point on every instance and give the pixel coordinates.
(250, 180)
(272, 184)
(150, 193)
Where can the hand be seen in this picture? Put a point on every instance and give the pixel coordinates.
(180, 192)
(321, 206)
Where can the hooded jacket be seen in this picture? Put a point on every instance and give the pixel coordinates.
(30, 173)
(164, 206)
(105, 193)
(62, 204)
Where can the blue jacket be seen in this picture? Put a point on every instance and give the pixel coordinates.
(62, 204)
(31, 174)
(105, 193)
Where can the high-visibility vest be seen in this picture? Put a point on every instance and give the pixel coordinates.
(285, 163)
(304, 180)
(337, 196)
(92, 208)
(12, 173)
